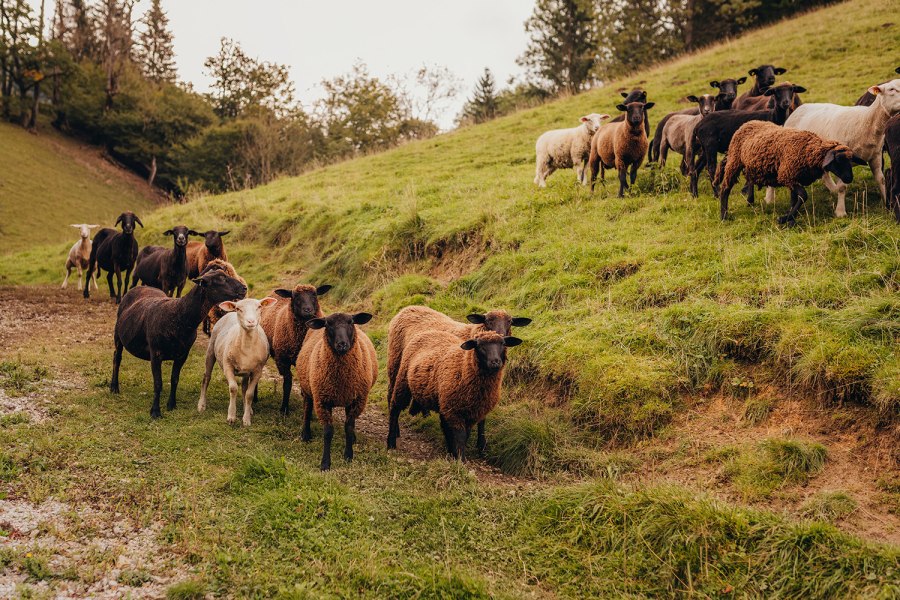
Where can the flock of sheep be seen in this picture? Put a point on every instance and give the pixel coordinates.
(434, 363)
(767, 133)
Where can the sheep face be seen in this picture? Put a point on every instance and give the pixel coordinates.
(498, 321)
(727, 88)
(212, 238)
(247, 310)
(840, 162)
(593, 121)
(783, 95)
(304, 300)
(765, 75)
(128, 219)
(490, 350)
(890, 95)
(635, 95)
(180, 233)
(218, 287)
(340, 329)
(84, 230)
(706, 102)
(634, 112)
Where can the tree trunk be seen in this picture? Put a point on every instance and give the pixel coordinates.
(32, 121)
(152, 176)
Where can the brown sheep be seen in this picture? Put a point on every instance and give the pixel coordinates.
(621, 145)
(285, 326)
(199, 254)
(775, 156)
(417, 319)
(337, 367)
(460, 381)
(216, 313)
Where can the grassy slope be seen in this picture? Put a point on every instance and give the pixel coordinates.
(48, 182)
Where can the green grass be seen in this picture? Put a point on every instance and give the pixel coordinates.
(758, 471)
(829, 506)
(48, 182)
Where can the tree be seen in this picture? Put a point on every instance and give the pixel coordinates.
(116, 41)
(483, 104)
(155, 49)
(634, 34)
(563, 47)
(20, 59)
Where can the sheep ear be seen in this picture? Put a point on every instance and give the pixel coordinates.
(897, 70)
(138, 220)
(799, 89)
(585, 119)
(267, 301)
(521, 321)
(192, 232)
(316, 323)
(476, 318)
(227, 306)
(829, 158)
(361, 318)
(780, 71)
(769, 92)
(93, 226)
(468, 345)
(741, 80)
(323, 289)
(858, 161)
(168, 232)
(284, 293)
(752, 72)
(76, 226)
(622, 107)
(224, 233)
(649, 105)
(693, 98)
(510, 341)
(714, 83)
(604, 116)
(119, 220)
(624, 94)
(874, 90)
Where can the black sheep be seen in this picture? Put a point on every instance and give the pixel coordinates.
(892, 176)
(114, 252)
(164, 268)
(765, 78)
(154, 327)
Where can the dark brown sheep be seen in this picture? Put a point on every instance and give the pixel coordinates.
(635, 95)
(773, 156)
(164, 268)
(620, 145)
(285, 326)
(413, 320)
(337, 367)
(765, 78)
(115, 252)
(154, 327)
(462, 382)
(892, 175)
(200, 253)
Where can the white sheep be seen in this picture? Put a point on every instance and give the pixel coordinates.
(566, 148)
(80, 255)
(241, 347)
(859, 127)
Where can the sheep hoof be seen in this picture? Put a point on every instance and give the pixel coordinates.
(787, 220)
(155, 414)
(232, 420)
(306, 435)
(325, 466)
(246, 422)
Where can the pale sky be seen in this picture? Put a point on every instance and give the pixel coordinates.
(321, 39)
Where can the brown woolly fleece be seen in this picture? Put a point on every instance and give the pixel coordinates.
(618, 145)
(329, 380)
(775, 156)
(199, 256)
(436, 374)
(216, 313)
(285, 333)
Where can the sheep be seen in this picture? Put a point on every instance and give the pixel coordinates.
(765, 78)
(773, 155)
(566, 148)
(241, 347)
(713, 134)
(868, 98)
(621, 145)
(154, 327)
(859, 127)
(285, 326)
(199, 254)
(724, 99)
(80, 254)
(679, 129)
(163, 268)
(336, 367)
(416, 319)
(115, 252)
(461, 381)
(216, 313)
(892, 175)
(635, 95)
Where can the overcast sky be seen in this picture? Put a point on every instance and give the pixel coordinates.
(321, 39)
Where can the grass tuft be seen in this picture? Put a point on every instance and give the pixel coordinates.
(828, 507)
(186, 590)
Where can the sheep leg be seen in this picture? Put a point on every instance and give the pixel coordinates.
(306, 433)
(210, 363)
(663, 153)
(250, 383)
(481, 442)
(117, 361)
(594, 166)
(770, 195)
(325, 417)
(398, 401)
(232, 393)
(448, 435)
(623, 181)
(634, 172)
(460, 437)
(66, 280)
(287, 383)
(836, 187)
(173, 383)
(156, 369)
(109, 282)
(87, 287)
(750, 192)
(349, 433)
(798, 197)
(712, 163)
(93, 277)
(118, 294)
(127, 279)
(695, 174)
(876, 166)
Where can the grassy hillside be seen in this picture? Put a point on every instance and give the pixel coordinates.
(48, 182)
(643, 308)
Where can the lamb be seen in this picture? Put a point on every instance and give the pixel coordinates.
(417, 319)
(337, 367)
(868, 98)
(461, 382)
(199, 254)
(713, 134)
(859, 127)
(724, 99)
(777, 156)
(216, 313)
(163, 268)
(115, 252)
(80, 254)
(241, 347)
(765, 78)
(892, 175)
(679, 129)
(285, 324)
(622, 145)
(154, 327)
(566, 148)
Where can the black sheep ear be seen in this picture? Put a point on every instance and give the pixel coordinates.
(741, 80)
(323, 289)
(780, 71)
(192, 232)
(468, 345)
(316, 323)
(361, 318)
(510, 341)
(897, 70)
(624, 94)
(857, 160)
(622, 107)
(714, 83)
(284, 293)
(476, 318)
(224, 233)
(799, 89)
(168, 232)
(138, 220)
(521, 321)
(769, 92)
(693, 98)
(649, 105)
(119, 220)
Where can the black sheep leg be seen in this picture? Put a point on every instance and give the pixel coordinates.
(798, 197)
(109, 282)
(349, 435)
(481, 442)
(398, 401)
(90, 273)
(460, 437)
(448, 435)
(118, 284)
(711, 164)
(156, 368)
(306, 432)
(117, 361)
(633, 173)
(326, 448)
(623, 182)
(723, 201)
(287, 383)
(695, 175)
(173, 384)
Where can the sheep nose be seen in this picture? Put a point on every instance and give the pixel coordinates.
(495, 363)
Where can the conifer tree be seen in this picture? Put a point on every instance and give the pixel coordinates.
(155, 49)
